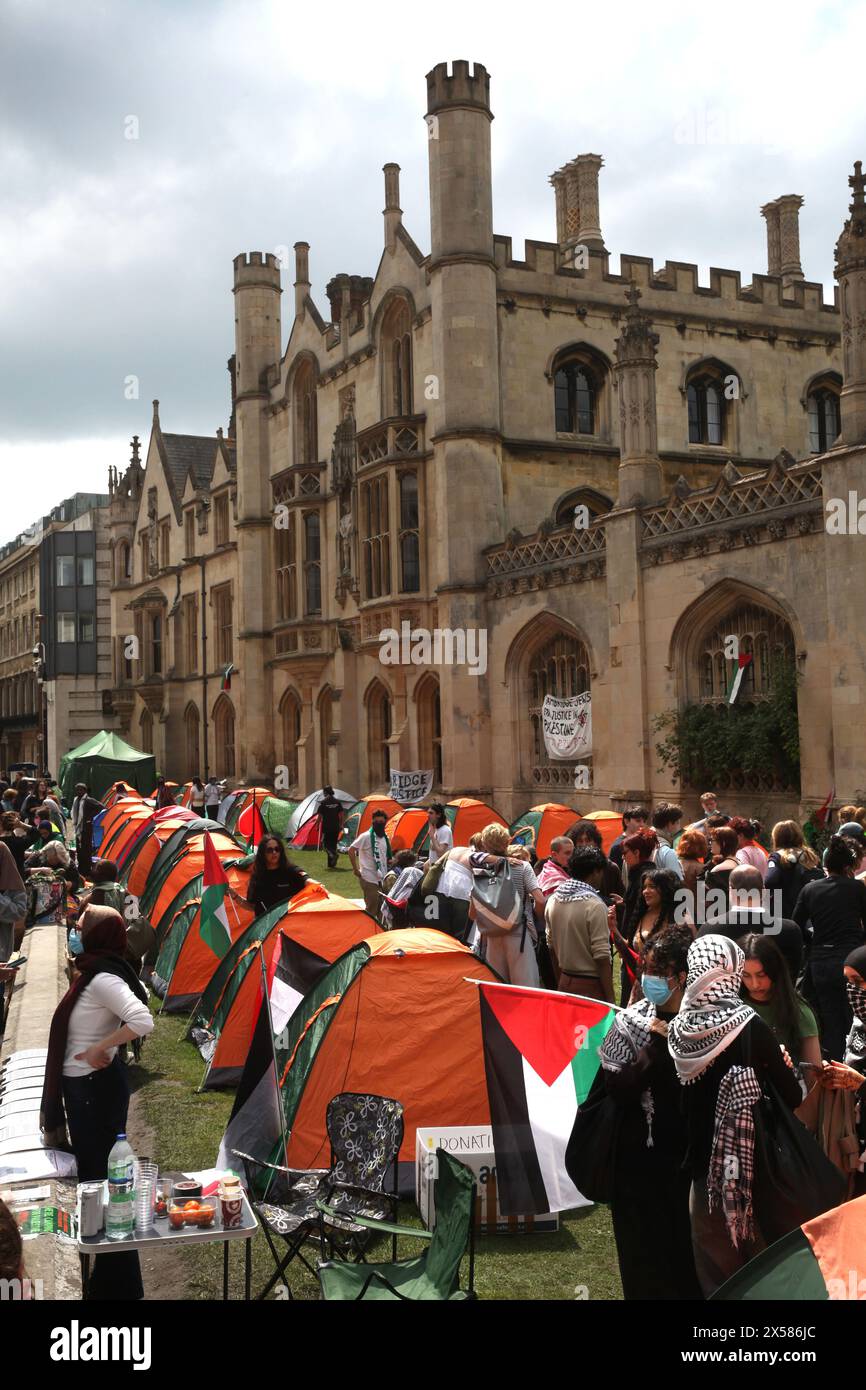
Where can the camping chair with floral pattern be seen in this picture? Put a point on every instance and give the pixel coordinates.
(432, 1275)
(365, 1134)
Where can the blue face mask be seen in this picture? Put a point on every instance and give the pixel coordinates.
(76, 945)
(656, 989)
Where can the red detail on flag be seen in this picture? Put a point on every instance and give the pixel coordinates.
(543, 1025)
(743, 659)
(823, 811)
(213, 868)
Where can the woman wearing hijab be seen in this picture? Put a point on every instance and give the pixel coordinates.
(723, 1053)
(650, 1191)
(86, 1091)
(273, 879)
(13, 904)
(855, 988)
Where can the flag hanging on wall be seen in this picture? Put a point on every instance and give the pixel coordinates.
(743, 660)
(227, 677)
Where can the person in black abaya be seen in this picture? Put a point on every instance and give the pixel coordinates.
(650, 1201)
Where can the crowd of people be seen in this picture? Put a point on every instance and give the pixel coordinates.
(736, 964)
(742, 971)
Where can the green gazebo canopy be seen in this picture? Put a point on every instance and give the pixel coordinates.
(103, 760)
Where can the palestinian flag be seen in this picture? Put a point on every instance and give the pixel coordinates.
(743, 660)
(540, 1056)
(255, 1124)
(214, 928)
(819, 1261)
(819, 816)
(227, 677)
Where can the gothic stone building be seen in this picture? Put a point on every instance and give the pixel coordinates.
(418, 456)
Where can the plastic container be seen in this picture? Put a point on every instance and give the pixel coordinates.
(120, 1211)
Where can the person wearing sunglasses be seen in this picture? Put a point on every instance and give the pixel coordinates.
(274, 878)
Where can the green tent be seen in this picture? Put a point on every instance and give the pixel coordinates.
(103, 760)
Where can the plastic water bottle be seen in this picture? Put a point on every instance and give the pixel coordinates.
(120, 1212)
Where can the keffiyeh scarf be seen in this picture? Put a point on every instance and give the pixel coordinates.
(712, 1013)
(629, 1033)
(856, 1045)
(573, 890)
(729, 1178)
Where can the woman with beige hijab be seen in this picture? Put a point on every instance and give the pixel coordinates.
(13, 902)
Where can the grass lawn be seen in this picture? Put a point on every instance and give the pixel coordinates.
(578, 1261)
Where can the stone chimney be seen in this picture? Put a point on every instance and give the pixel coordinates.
(577, 214)
(851, 274)
(640, 472)
(783, 237)
(302, 276)
(392, 211)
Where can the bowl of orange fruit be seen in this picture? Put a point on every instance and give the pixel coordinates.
(198, 1211)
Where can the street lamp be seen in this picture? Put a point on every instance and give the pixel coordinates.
(39, 672)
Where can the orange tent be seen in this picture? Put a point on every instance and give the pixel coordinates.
(123, 822)
(541, 824)
(610, 825)
(185, 960)
(319, 922)
(467, 817)
(189, 865)
(395, 1016)
(360, 817)
(118, 790)
(143, 856)
(405, 828)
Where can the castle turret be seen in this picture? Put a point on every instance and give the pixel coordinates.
(462, 394)
(851, 274)
(302, 276)
(783, 237)
(257, 349)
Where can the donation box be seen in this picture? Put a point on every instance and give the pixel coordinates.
(474, 1148)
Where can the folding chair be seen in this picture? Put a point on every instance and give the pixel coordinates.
(433, 1275)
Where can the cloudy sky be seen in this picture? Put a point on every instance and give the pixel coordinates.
(262, 123)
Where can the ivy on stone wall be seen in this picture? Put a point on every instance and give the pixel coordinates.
(754, 746)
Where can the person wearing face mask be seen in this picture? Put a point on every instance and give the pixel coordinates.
(650, 1201)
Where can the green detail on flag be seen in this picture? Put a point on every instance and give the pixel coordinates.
(214, 924)
(585, 1063)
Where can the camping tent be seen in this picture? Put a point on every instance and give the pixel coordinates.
(394, 1016)
(541, 824)
(185, 959)
(121, 823)
(276, 813)
(466, 816)
(407, 828)
(308, 808)
(238, 801)
(820, 1260)
(320, 922)
(120, 791)
(609, 824)
(101, 760)
(360, 817)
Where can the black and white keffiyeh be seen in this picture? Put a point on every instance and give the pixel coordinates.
(630, 1032)
(712, 1013)
(732, 1161)
(574, 890)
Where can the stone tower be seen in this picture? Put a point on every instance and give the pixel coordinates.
(851, 274)
(462, 398)
(640, 472)
(257, 348)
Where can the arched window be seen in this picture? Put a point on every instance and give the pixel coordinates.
(575, 388)
(595, 503)
(224, 736)
(123, 568)
(156, 644)
(378, 733)
(410, 555)
(326, 723)
(192, 729)
(427, 699)
(759, 633)
(312, 564)
(290, 719)
(145, 727)
(823, 403)
(376, 537)
(306, 424)
(558, 666)
(396, 350)
(709, 387)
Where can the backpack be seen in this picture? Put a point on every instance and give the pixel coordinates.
(496, 901)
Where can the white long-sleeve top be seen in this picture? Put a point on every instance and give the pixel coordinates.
(103, 1006)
